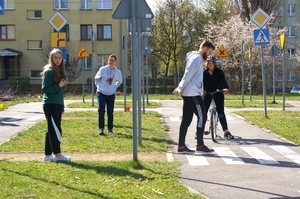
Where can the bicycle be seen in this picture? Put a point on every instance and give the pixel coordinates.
(214, 119)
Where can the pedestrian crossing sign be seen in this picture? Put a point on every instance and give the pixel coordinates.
(261, 36)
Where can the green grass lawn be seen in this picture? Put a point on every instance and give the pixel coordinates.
(93, 179)
(283, 123)
(114, 179)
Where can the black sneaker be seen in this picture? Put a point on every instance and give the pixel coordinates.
(206, 132)
(228, 136)
(203, 148)
(101, 132)
(184, 149)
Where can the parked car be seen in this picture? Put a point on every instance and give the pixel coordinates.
(296, 89)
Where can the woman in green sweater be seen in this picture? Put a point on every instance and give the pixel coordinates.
(54, 79)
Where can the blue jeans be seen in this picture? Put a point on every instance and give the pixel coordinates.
(109, 101)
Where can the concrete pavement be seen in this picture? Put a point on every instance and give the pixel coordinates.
(257, 164)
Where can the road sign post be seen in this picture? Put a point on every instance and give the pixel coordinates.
(274, 51)
(126, 9)
(261, 37)
(282, 45)
(250, 57)
(82, 53)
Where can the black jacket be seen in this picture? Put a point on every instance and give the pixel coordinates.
(214, 81)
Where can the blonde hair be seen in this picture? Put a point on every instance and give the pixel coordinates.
(58, 71)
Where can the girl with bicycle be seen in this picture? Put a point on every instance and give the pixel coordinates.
(214, 79)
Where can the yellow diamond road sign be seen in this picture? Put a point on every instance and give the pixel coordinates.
(260, 17)
(57, 21)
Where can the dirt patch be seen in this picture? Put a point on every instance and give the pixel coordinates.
(38, 156)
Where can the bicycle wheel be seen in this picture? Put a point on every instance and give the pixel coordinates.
(213, 125)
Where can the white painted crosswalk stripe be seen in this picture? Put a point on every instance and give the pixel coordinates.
(290, 154)
(196, 160)
(228, 156)
(33, 118)
(259, 155)
(175, 119)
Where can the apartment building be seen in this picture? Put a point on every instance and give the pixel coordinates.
(288, 14)
(27, 34)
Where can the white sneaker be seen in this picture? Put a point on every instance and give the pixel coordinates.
(48, 158)
(62, 158)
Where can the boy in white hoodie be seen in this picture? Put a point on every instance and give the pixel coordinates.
(107, 80)
(191, 88)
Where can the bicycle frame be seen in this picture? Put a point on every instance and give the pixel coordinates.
(214, 119)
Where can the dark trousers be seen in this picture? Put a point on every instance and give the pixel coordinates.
(109, 101)
(191, 106)
(219, 100)
(53, 113)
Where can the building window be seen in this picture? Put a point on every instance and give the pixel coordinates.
(85, 4)
(34, 74)
(86, 32)
(8, 32)
(291, 76)
(61, 4)
(280, 10)
(291, 32)
(291, 10)
(34, 14)
(86, 63)
(9, 4)
(102, 60)
(291, 53)
(66, 30)
(104, 4)
(104, 32)
(34, 44)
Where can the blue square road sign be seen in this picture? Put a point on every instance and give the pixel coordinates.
(261, 36)
(1, 7)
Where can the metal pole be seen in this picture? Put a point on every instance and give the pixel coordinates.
(125, 65)
(147, 83)
(92, 65)
(222, 63)
(143, 73)
(82, 70)
(250, 73)
(243, 76)
(283, 80)
(263, 78)
(274, 73)
(135, 79)
(139, 83)
(121, 48)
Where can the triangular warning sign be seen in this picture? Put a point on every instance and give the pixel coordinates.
(261, 37)
(82, 52)
(222, 52)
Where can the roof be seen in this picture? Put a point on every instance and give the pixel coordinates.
(10, 52)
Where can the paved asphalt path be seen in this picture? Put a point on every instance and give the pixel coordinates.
(256, 164)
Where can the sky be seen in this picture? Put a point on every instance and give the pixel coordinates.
(151, 4)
